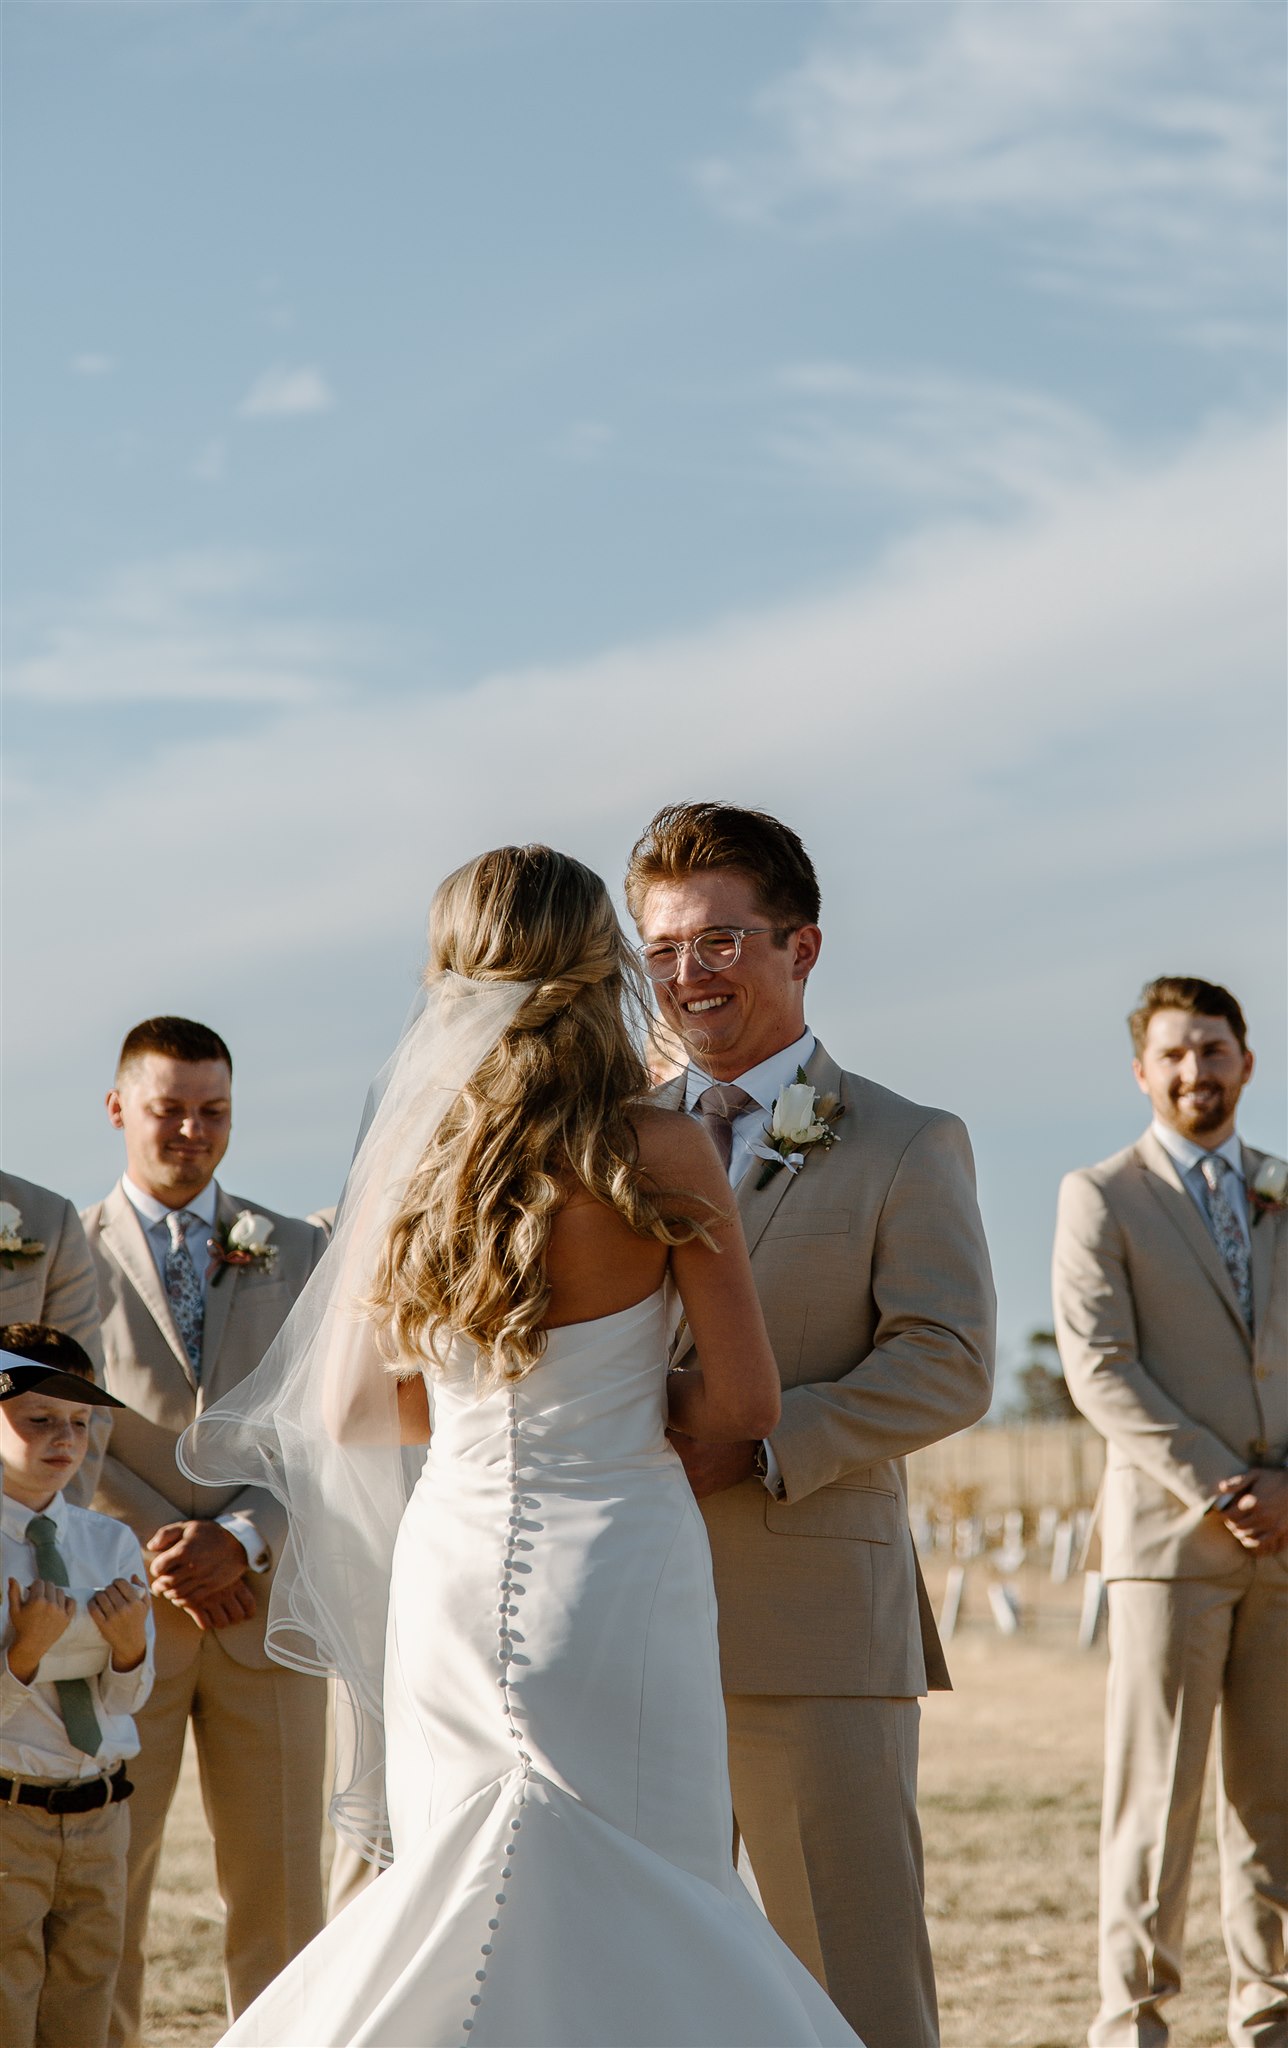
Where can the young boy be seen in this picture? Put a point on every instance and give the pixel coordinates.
(76, 1631)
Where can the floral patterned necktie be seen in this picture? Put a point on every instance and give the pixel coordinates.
(719, 1107)
(1230, 1240)
(183, 1288)
(75, 1700)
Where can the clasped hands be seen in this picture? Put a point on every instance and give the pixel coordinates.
(41, 1613)
(200, 1568)
(1258, 1516)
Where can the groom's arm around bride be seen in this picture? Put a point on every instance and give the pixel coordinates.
(873, 1273)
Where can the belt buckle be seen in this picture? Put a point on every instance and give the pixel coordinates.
(74, 1797)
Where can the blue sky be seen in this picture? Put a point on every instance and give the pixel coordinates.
(431, 425)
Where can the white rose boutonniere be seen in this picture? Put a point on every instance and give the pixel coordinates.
(13, 1245)
(1269, 1190)
(243, 1242)
(800, 1119)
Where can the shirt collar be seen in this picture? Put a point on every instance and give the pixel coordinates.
(765, 1082)
(14, 1517)
(1188, 1155)
(151, 1212)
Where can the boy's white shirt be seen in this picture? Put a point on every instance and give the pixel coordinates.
(95, 1549)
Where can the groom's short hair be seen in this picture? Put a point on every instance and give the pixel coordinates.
(691, 839)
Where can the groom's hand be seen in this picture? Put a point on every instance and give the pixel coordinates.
(713, 1468)
(191, 1561)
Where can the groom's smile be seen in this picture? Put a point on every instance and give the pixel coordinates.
(733, 1017)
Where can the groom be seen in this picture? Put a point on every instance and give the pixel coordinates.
(874, 1277)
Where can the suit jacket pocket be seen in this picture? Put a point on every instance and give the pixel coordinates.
(857, 1512)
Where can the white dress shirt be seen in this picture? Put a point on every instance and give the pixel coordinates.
(765, 1083)
(1188, 1158)
(200, 1227)
(95, 1549)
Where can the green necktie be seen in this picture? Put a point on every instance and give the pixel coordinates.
(75, 1701)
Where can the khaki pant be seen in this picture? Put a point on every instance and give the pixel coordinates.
(825, 1800)
(1180, 1653)
(62, 1917)
(260, 1738)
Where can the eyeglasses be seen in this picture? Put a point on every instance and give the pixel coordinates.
(715, 950)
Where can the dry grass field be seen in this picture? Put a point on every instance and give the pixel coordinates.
(1010, 1796)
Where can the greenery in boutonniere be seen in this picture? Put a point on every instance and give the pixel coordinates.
(800, 1119)
(243, 1242)
(13, 1245)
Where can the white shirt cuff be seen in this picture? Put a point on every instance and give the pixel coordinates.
(257, 1552)
(773, 1472)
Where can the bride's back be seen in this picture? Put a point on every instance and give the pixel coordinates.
(596, 1264)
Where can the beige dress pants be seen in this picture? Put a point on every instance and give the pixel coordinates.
(62, 1915)
(260, 1739)
(1182, 1651)
(825, 1800)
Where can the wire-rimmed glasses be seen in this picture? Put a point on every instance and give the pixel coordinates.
(716, 950)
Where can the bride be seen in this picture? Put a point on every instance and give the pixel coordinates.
(514, 1231)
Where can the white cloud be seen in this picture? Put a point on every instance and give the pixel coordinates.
(90, 364)
(192, 629)
(282, 393)
(1138, 149)
(1036, 760)
(937, 439)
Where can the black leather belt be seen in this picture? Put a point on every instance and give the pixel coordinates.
(78, 1795)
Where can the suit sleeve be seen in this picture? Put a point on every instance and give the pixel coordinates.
(127, 1498)
(1095, 1323)
(930, 1369)
(71, 1305)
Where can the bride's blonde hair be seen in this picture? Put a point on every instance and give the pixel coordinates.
(548, 1106)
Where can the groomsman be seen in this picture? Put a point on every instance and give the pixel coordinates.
(194, 1285)
(873, 1273)
(1171, 1308)
(55, 1285)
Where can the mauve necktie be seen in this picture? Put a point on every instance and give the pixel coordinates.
(75, 1700)
(1230, 1240)
(719, 1107)
(183, 1288)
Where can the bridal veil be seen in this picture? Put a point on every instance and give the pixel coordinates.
(316, 1424)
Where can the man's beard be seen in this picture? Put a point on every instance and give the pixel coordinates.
(1196, 1116)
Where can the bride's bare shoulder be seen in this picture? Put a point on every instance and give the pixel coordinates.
(671, 1143)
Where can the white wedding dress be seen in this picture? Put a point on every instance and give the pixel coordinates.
(557, 1781)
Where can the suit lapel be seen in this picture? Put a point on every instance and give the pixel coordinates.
(756, 1204)
(219, 1300)
(1179, 1206)
(127, 1241)
(1262, 1235)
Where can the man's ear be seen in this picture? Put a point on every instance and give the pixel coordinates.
(1139, 1072)
(114, 1116)
(809, 944)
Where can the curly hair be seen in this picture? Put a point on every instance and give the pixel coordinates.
(547, 1109)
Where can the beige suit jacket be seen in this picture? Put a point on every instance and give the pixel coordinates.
(873, 1273)
(1160, 1360)
(148, 1368)
(58, 1288)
